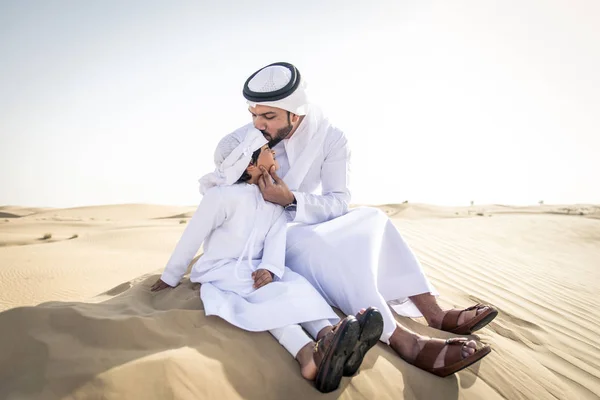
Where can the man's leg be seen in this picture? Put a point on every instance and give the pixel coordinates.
(408, 344)
(375, 266)
(346, 279)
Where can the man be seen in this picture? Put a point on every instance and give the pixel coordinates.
(352, 257)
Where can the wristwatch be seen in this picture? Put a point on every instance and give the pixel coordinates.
(292, 206)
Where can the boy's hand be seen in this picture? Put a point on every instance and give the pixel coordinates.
(159, 285)
(261, 278)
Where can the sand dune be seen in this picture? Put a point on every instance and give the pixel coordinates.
(79, 320)
(18, 212)
(109, 212)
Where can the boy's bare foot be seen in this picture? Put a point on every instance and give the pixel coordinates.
(308, 368)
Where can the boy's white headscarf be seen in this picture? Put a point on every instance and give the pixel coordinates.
(232, 157)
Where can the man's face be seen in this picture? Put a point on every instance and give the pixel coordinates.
(274, 123)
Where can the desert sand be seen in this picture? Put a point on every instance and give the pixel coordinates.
(78, 320)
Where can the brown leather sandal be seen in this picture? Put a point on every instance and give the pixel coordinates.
(453, 361)
(332, 351)
(450, 321)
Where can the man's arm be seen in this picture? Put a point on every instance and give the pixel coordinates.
(335, 197)
(315, 208)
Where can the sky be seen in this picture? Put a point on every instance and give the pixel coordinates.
(111, 102)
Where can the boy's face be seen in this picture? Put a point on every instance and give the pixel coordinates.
(267, 158)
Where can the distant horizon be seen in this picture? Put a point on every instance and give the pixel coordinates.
(475, 204)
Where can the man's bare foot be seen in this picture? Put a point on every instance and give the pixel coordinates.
(408, 347)
(464, 316)
(468, 349)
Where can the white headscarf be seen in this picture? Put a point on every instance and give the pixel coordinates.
(232, 157)
(275, 77)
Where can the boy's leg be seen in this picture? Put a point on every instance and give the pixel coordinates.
(317, 329)
(300, 346)
(322, 362)
(292, 337)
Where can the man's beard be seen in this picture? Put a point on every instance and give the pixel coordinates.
(279, 136)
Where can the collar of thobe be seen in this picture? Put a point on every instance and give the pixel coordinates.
(304, 146)
(234, 165)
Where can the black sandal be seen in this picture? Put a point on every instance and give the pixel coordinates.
(332, 351)
(371, 328)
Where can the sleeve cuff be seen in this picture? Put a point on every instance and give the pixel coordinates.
(170, 279)
(296, 216)
(278, 272)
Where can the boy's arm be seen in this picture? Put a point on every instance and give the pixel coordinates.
(273, 258)
(209, 215)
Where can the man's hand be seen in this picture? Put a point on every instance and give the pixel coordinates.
(261, 278)
(277, 192)
(159, 285)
